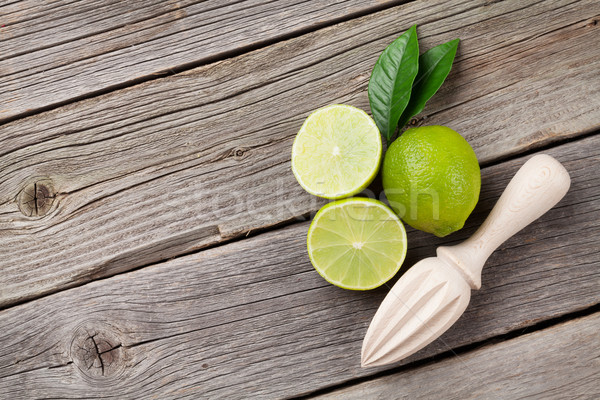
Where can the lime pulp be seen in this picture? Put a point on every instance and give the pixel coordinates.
(337, 152)
(356, 243)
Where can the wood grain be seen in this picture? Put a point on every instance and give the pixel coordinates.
(167, 167)
(253, 319)
(561, 362)
(63, 50)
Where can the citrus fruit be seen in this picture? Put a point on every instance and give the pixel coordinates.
(431, 178)
(356, 243)
(337, 152)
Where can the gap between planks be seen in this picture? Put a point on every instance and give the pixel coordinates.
(577, 334)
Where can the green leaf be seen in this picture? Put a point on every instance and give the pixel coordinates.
(392, 80)
(434, 67)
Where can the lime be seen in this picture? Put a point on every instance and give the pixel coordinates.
(356, 243)
(337, 152)
(431, 178)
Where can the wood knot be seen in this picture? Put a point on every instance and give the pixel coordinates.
(97, 352)
(36, 199)
(593, 22)
(240, 153)
(416, 121)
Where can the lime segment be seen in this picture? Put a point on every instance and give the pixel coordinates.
(356, 243)
(337, 152)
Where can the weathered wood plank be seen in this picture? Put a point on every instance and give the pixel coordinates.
(561, 362)
(167, 167)
(59, 51)
(253, 319)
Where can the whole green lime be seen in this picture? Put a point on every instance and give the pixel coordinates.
(431, 179)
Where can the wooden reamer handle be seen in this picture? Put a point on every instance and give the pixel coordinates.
(536, 188)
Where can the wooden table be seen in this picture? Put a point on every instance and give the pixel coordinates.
(152, 235)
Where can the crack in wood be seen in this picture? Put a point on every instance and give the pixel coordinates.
(92, 350)
(98, 354)
(36, 199)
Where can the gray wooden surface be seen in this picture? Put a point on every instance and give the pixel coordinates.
(57, 51)
(167, 167)
(107, 204)
(253, 318)
(562, 362)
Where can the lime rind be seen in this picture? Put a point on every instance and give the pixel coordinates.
(337, 152)
(432, 178)
(333, 255)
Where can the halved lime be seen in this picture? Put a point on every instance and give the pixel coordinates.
(337, 152)
(356, 243)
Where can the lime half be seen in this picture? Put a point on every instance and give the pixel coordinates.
(337, 152)
(356, 243)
